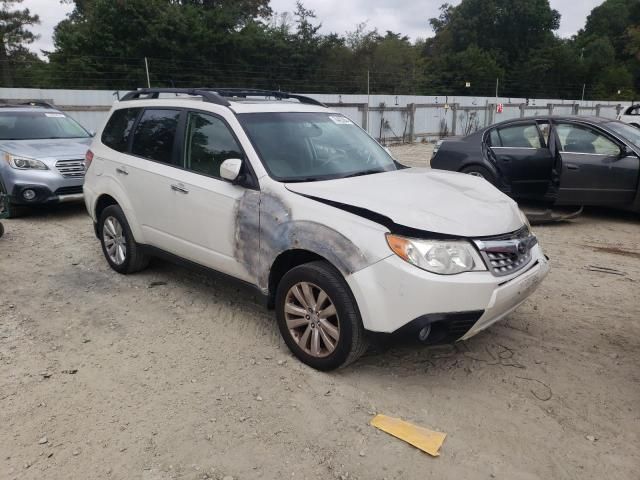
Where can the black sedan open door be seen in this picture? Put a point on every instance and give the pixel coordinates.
(596, 168)
(522, 156)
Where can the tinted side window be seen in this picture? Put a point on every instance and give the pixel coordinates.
(155, 135)
(116, 133)
(580, 139)
(520, 136)
(209, 143)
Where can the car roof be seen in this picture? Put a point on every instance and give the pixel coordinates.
(570, 118)
(8, 107)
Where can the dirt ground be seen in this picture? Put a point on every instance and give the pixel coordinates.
(169, 374)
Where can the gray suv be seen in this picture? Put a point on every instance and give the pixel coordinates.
(41, 154)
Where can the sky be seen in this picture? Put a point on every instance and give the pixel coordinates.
(409, 17)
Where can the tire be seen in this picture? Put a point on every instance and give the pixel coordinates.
(351, 342)
(482, 172)
(14, 211)
(114, 232)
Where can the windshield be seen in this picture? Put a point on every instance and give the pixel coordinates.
(34, 125)
(628, 132)
(303, 147)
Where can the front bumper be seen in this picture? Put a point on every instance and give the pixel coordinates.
(392, 294)
(49, 186)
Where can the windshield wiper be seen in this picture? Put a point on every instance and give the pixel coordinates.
(364, 172)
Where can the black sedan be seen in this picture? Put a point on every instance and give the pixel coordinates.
(554, 160)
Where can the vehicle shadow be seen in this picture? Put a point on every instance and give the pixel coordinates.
(60, 211)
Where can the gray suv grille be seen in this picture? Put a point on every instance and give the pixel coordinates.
(71, 168)
(507, 254)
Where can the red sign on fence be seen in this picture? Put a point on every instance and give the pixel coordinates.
(499, 108)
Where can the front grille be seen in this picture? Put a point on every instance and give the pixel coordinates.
(507, 254)
(69, 190)
(71, 168)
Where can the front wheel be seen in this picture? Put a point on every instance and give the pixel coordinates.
(318, 317)
(118, 245)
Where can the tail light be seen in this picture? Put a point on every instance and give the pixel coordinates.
(88, 158)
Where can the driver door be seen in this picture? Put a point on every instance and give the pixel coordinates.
(594, 167)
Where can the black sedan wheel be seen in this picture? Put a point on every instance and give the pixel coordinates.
(478, 171)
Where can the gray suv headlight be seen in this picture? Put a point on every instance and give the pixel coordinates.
(23, 163)
(437, 256)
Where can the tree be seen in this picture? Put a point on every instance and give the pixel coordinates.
(14, 36)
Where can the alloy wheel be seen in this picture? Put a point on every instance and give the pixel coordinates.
(312, 319)
(115, 241)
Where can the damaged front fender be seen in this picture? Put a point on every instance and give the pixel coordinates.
(266, 227)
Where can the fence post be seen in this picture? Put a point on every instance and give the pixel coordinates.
(598, 110)
(411, 111)
(490, 114)
(550, 108)
(522, 110)
(576, 108)
(365, 117)
(454, 119)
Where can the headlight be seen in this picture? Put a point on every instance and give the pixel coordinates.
(23, 163)
(442, 257)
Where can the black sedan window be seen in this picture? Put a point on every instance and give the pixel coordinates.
(581, 139)
(520, 136)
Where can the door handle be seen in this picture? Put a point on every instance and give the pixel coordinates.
(121, 171)
(572, 166)
(179, 188)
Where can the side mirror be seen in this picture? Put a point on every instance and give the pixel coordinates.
(230, 169)
(627, 152)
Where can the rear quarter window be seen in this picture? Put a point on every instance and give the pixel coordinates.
(155, 136)
(118, 129)
(494, 139)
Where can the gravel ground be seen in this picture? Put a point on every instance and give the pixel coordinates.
(169, 374)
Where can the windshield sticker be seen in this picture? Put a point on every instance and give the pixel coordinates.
(55, 115)
(340, 120)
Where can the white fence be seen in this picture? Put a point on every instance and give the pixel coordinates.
(389, 118)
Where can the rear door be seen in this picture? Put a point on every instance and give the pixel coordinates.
(149, 169)
(523, 158)
(595, 171)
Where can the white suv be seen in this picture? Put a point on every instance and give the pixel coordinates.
(281, 193)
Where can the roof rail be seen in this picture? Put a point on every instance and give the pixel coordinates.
(252, 92)
(207, 95)
(216, 95)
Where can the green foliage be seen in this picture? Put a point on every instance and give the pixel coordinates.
(14, 36)
(103, 43)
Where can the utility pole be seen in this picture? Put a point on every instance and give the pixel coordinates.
(497, 85)
(146, 67)
(368, 96)
(584, 86)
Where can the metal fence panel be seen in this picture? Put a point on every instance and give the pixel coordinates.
(433, 116)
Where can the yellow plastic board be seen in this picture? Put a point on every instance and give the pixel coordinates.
(426, 440)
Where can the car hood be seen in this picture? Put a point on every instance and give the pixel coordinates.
(435, 201)
(47, 149)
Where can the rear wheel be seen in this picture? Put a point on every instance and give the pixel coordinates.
(118, 245)
(318, 317)
(479, 171)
